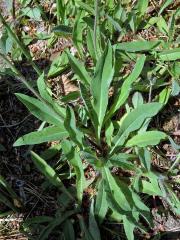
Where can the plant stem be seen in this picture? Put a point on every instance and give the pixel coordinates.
(20, 44)
(95, 24)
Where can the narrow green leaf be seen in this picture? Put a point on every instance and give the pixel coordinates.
(63, 30)
(39, 109)
(78, 29)
(68, 230)
(70, 125)
(100, 84)
(151, 189)
(74, 158)
(45, 135)
(91, 158)
(88, 104)
(115, 23)
(169, 55)
(152, 186)
(137, 99)
(87, 7)
(129, 228)
(46, 170)
(101, 205)
(61, 11)
(90, 44)
(93, 227)
(149, 138)
(175, 88)
(109, 129)
(84, 231)
(164, 95)
(122, 160)
(51, 152)
(171, 27)
(43, 89)
(173, 144)
(117, 191)
(145, 157)
(165, 5)
(58, 65)
(72, 96)
(79, 70)
(33, 13)
(133, 121)
(142, 6)
(126, 87)
(137, 46)
(162, 25)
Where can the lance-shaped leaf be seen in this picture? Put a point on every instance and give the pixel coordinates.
(43, 89)
(122, 199)
(122, 160)
(129, 228)
(90, 44)
(93, 226)
(126, 87)
(45, 135)
(88, 104)
(145, 157)
(100, 84)
(142, 6)
(137, 46)
(40, 109)
(133, 121)
(79, 69)
(68, 230)
(74, 158)
(70, 125)
(63, 30)
(119, 193)
(59, 65)
(149, 138)
(109, 129)
(169, 55)
(46, 170)
(101, 205)
(78, 29)
(165, 5)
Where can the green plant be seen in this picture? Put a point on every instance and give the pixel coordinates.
(112, 134)
(103, 141)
